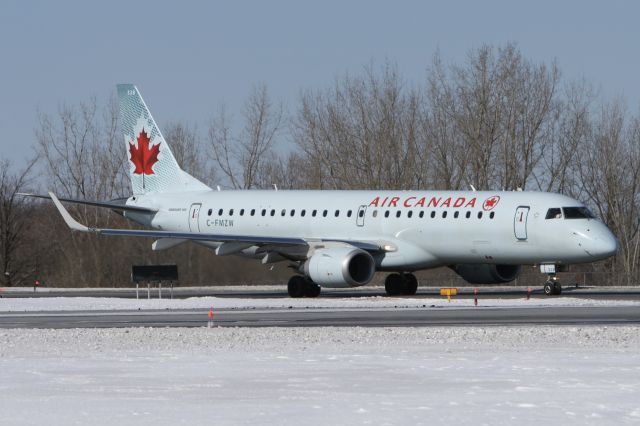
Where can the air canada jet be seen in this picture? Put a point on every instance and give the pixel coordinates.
(340, 239)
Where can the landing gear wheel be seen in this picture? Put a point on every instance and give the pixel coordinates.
(410, 284)
(394, 285)
(552, 288)
(312, 289)
(296, 286)
(401, 284)
(300, 286)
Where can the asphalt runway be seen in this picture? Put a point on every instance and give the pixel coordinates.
(429, 316)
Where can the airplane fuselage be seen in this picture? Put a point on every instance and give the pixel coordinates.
(419, 229)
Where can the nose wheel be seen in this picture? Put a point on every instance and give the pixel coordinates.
(552, 287)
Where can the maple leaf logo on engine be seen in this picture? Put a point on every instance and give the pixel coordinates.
(144, 157)
(490, 202)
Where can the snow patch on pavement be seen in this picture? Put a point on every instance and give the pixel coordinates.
(108, 304)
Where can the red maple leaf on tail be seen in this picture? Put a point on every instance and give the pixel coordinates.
(144, 157)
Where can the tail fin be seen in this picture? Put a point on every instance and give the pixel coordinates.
(152, 166)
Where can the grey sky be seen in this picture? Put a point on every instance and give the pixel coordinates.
(189, 57)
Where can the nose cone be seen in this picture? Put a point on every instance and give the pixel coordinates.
(600, 242)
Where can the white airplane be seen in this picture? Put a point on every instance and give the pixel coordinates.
(340, 239)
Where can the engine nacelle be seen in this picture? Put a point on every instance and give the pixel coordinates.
(487, 274)
(340, 267)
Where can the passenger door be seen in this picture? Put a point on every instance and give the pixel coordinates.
(360, 216)
(520, 222)
(194, 214)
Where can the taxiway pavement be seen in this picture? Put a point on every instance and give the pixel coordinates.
(427, 316)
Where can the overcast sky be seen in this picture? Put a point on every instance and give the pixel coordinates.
(189, 57)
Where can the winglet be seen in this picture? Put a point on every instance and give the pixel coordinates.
(71, 222)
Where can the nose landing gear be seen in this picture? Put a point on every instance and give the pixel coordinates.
(552, 287)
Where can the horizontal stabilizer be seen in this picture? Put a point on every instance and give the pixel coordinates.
(114, 204)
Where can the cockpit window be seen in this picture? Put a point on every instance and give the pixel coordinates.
(577, 213)
(554, 213)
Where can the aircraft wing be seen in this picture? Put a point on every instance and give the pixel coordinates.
(114, 205)
(256, 240)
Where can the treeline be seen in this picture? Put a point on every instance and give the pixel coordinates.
(496, 121)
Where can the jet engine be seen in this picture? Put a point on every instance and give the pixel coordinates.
(487, 274)
(340, 267)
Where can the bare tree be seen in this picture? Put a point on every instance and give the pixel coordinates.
(363, 132)
(608, 167)
(187, 148)
(490, 119)
(83, 157)
(571, 128)
(241, 155)
(14, 222)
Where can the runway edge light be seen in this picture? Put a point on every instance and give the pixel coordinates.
(210, 316)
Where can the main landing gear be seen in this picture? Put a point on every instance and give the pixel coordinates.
(401, 284)
(300, 286)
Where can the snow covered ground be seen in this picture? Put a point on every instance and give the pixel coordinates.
(107, 303)
(321, 376)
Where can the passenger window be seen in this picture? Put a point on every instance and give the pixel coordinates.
(375, 213)
(253, 212)
(293, 212)
(468, 215)
(491, 215)
(337, 213)
(264, 212)
(230, 212)
(273, 212)
(209, 212)
(398, 213)
(241, 212)
(410, 213)
(421, 214)
(303, 212)
(324, 213)
(479, 215)
(313, 213)
(386, 214)
(283, 212)
(361, 213)
(220, 212)
(433, 214)
(456, 214)
(349, 213)
(444, 214)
